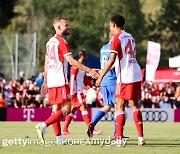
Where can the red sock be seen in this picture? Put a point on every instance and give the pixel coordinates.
(54, 117)
(120, 122)
(86, 118)
(138, 122)
(67, 122)
(57, 128)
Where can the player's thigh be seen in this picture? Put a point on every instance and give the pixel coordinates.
(66, 106)
(56, 107)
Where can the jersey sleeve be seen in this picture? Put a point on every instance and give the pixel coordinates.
(88, 81)
(64, 47)
(115, 44)
(73, 85)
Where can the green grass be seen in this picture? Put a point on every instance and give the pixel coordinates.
(160, 138)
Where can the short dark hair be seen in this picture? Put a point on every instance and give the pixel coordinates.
(118, 20)
(58, 19)
(81, 53)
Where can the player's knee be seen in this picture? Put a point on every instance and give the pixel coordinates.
(55, 108)
(73, 110)
(83, 108)
(68, 111)
(120, 109)
(109, 107)
(106, 108)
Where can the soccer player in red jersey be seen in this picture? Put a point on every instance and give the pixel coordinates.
(77, 80)
(128, 83)
(58, 55)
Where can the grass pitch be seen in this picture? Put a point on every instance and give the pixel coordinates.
(160, 138)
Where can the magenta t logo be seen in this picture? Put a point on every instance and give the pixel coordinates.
(28, 114)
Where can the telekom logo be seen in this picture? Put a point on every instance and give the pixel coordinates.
(28, 114)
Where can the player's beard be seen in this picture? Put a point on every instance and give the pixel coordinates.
(66, 32)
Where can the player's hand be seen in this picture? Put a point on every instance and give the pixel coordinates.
(98, 81)
(96, 69)
(94, 73)
(72, 96)
(99, 71)
(44, 89)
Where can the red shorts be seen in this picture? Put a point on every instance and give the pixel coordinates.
(128, 91)
(78, 100)
(58, 95)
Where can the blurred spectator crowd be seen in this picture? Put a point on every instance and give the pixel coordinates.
(160, 95)
(23, 93)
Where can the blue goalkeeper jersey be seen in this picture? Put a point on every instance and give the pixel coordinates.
(110, 77)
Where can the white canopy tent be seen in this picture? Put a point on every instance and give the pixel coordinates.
(174, 62)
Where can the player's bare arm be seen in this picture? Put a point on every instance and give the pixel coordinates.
(77, 64)
(44, 88)
(112, 67)
(107, 68)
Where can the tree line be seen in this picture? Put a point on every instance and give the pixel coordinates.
(89, 22)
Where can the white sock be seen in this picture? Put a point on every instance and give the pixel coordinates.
(140, 138)
(60, 139)
(43, 126)
(118, 141)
